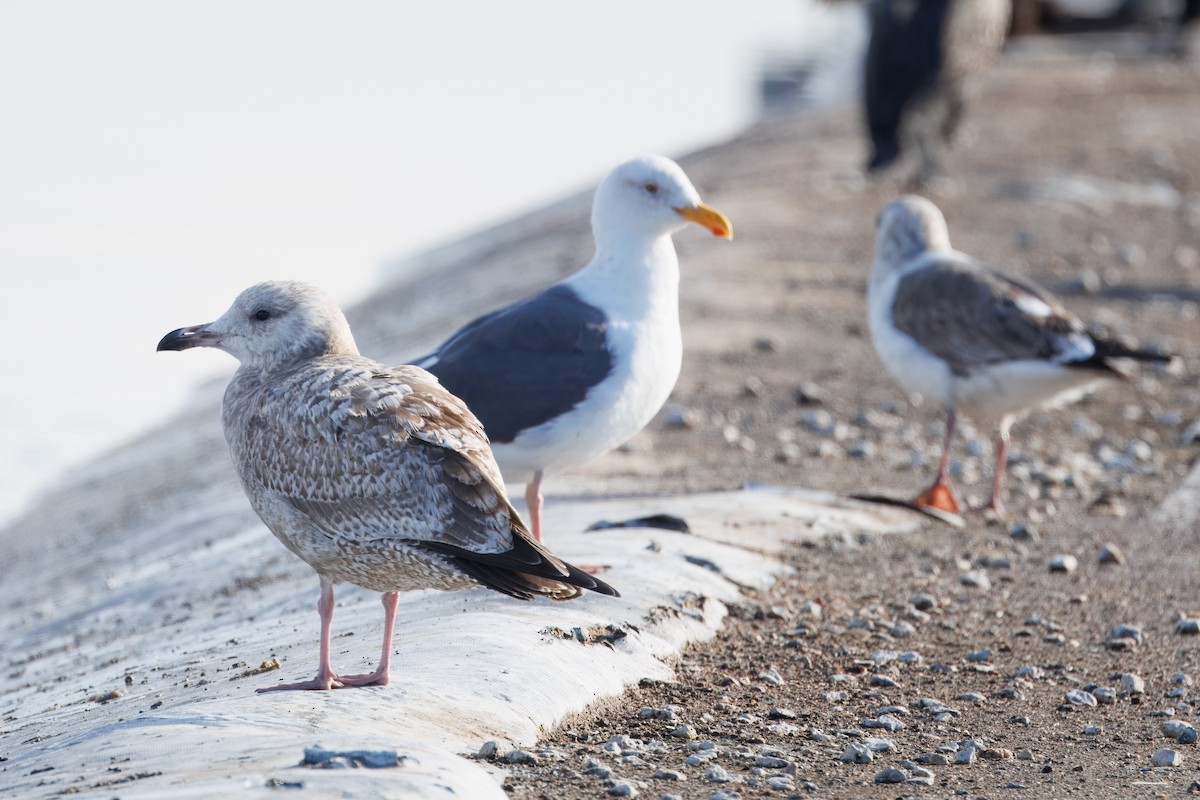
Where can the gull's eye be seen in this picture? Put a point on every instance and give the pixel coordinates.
(651, 187)
(262, 315)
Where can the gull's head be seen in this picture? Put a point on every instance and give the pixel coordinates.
(908, 227)
(271, 325)
(650, 196)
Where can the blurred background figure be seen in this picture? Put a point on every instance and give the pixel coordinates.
(923, 59)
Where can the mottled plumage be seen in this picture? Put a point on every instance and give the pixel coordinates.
(972, 338)
(372, 474)
(566, 375)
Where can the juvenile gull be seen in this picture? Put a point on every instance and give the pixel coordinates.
(990, 345)
(371, 474)
(923, 60)
(564, 376)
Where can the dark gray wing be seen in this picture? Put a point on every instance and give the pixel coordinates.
(526, 364)
(904, 56)
(972, 316)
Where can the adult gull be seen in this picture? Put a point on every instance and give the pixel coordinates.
(990, 345)
(371, 474)
(570, 373)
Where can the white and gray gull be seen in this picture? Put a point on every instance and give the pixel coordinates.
(371, 474)
(993, 346)
(566, 375)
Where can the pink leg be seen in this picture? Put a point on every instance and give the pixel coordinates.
(325, 678)
(533, 501)
(941, 494)
(996, 503)
(380, 676)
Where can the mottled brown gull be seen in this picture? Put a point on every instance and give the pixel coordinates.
(974, 339)
(371, 474)
(566, 375)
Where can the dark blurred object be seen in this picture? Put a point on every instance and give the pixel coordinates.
(923, 59)
(667, 522)
(1164, 22)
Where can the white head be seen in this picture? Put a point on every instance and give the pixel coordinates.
(909, 227)
(272, 325)
(650, 196)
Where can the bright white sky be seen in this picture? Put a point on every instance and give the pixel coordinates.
(156, 158)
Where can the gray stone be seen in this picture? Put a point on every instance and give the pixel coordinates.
(668, 775)
(717, 774)
(933, 759)
(1132, 684)
(856, 753)
(1187, 627)
(521, 757)
(976, 579)
(883, 680)
(1166, 757)
(1092, 730)
(891, 775)
(885, 721)
(623, 789)
(1078, 697)
(684, 732)
(1110, 554)
(1105, 695)
(1064, 562)
(1125, 631)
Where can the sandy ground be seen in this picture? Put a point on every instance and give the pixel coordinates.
(1081, 170)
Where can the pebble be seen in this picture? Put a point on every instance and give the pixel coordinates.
(783, 783)
(995, 754)
(1166, 757)
(1092, 730)
(623, 789)
(1181, 732)
(884, 681)
(977, 579)
(971, 697)
(491, 749)
(924, 602)
(772, 676)
(965, 756)
(1110, 554)
(877, 744)
(1105, 695)
(1028, 671)
(885, 721)
(1020, 720)
(1024, 533)
(1024, 755)
(1064, 562)
(770, 762)
(1079, 697)
(979, 655)
(717, 774)
(683, 732)
(891, 775)
(933, 759)
(856, 753)
(521, 757)
(1124, 631)
(1187, 627)
(903, 630)
(1132, 684)
(668, 775)
(781, 713)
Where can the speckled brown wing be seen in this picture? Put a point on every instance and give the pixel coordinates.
(971, 316)
(385, 453)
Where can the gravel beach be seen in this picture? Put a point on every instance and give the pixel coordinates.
(1049, 652)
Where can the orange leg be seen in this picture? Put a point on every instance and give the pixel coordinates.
(941, 494)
